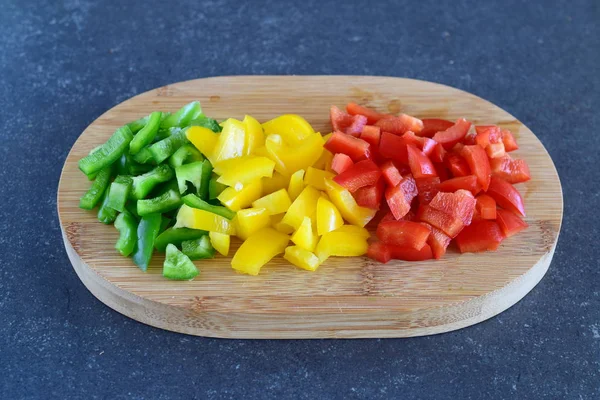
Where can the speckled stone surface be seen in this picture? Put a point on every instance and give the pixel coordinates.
(63, 63)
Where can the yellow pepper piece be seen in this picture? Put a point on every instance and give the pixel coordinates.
(274, 183)
(305, 205)
(289, 159)
(194, 218)
(355, 230)
(261, 151)
(250, 220)
(328, 217)
(280, 226)
(316, 177)
(346, 204)
(341, 244)
(220, 242)
(255, 136)
(292, 128)
(302, 258)
(246, 170)
(324, 162)
(304, 236)
(276, 203)
(296, 184)
(203, 139)
(231, 141)
(236, 199)
(258, 250)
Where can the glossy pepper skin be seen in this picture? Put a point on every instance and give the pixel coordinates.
(106, 214)
(292, 128)
(194, 218)
(305, 205)
(183, 116)
(147, 231)
(198, 249)
(237, 199)
(304, 236)
(231, 141)
(177, 236)
(341, 244)
(250, 220)
(89, 200)
(258, 250)
(275, 203)
(302, 258)
(146, 135)
(347, 206)
(118, 192)
(107, 153)
(246, 169)
(164, 148)
(328, 217)
(178, 266)
(126, 224)
(143, 184)
(191, 173)
(184, 155)
(220, 242)
(203, 139)
(194, 201)
(167, 201)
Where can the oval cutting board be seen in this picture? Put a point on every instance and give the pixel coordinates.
(347, 297)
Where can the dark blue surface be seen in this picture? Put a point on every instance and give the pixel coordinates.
(63, 63)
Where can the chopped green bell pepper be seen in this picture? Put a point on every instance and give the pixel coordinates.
(206, 122)
(144, 156)
(143, 184)
(194, 201)
(207, 169)
(106, 214)
(131, 207)
(215, 188)
(189, 173)
(146, 135)
(89, 200)
(183, 116)
(166, 202)
(118, 192)
(185, 154)
(165, 223)
(108, 153)
(138, 124)
(126, 224)
(177, 236)
(147, 231)
(163, 149)
(198, 249)
(178, 266)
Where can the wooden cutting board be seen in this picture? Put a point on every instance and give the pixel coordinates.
(347, 297)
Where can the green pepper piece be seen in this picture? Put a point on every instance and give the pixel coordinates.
(106, 214)
(137, 125)
(163, 149)
(189, 173)
(194, 201)
(147, 231)
(177, 236)
(215, 188)
(126, 224)
(143, 184)
(206, 122)
(207, 169)
(89, 200)
(146, 135)
(118, 192)
(131, 207)
(165, 223)
(183, 116)
(185, 154)
(198, 249)
(108, 153)
(178, 266)
(143, 156)
(164, 188)
(163, 203)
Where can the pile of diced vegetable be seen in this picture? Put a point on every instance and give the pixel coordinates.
(184, 184)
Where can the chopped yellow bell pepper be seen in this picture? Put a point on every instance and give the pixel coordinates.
(247, 169)
(324, 162)
(203, 139)
(341, 244)
(304, 236)
(274, 183)
(289, 159)
(258, 250)
(302, 258)
(280, 226)
(355, 230)
(250, 220)
(194, 218)
(292, 128)
(236, 199)
(231, 141)
(346, 204)
(255, 136)
(276, 203)
(296, 184)
(316, 177)
(328, 217)
(305, 205)
(220, 242)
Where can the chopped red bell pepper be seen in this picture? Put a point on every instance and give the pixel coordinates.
(486, 207)
(479, 236)
(510, 223)
(449, 137)
(403, 233)
(372, 115)
(457, 148)
(469, 140)
(447, 223)
(341, 162)
(438, 241)
(479, 164)
(372, 135)
(510, 144)
(420, 165)
(400, 124)
(410, 254)
(438, 154)
(428, 146)
(512, 171)
(495, 150)
(506, 195)
(431, 126)
(400, 197)
(344, 122)
(379, 252)
(487, 134)
(442, 171)
(370, 196)
(427, 188)
(357, 149)
(390, 173)
(457, 165)
(468, 182)
(363, 173)
(460, 204)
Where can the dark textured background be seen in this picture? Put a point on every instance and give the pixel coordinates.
(63, 63)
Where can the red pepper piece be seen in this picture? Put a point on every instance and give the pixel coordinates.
(506, 196)
(448, 224)
(485, 207)
(420, 165)
(479, 164)
(410, 254)
(372, 135)
(457, 165)
(370, 196)
(479, 236)
(390, 173)
(487, 134)
(512, 171)
(400, 124)
(399, 198)
(341, 162)
(460, 204)
(438, 153)
(468, 182)
(379, 252)
(510, 223)
(363, 173)
(431, 126)
(357, 149)
(510, 144)
(403, 233)
(344, 122)
(449, 137)
(372, 115)
(438, 241)
(427, 188)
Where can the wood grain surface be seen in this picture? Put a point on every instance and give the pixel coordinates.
(347, 297)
